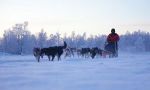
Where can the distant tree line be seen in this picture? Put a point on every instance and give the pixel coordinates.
(19, 40)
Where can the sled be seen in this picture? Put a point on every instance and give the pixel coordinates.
(111, 50)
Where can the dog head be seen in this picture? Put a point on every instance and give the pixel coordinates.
(36, 51)
(65, 45)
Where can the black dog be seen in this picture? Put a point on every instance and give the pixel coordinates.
(95, 51)
(85, 52)
(53, 51)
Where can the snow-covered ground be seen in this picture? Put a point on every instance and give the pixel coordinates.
(127, 72)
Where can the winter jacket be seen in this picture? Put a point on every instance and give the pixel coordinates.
(113, 37)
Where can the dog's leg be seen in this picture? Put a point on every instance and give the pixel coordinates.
(53, 57)
(58, 57)
(49, 58)
(38, 58)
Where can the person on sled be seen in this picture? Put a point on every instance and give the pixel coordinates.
(112, 43)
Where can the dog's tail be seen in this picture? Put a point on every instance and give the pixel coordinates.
(65, 45)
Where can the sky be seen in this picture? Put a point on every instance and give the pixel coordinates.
(64, 16)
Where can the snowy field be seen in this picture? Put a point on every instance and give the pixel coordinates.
(127, 72)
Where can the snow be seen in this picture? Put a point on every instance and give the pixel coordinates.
(127, 72)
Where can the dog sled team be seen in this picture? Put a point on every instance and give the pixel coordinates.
(110, 50)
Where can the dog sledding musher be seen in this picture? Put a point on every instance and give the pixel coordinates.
(112, 43)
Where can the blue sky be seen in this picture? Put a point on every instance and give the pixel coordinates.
(65, 16)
